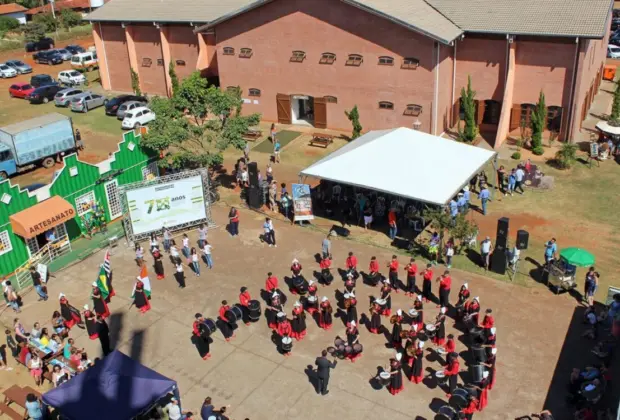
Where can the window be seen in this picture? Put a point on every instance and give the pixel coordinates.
(526, 113)
(229, 51)
(492, 111)
(386, 105)
(233, 89)
(331, 99)
(554, 118)
(160, 61)
(354, 60)
(413, 110)
(147, 62)
(298, 57)
(84, 203)
(254, 92)
(245, 53)
(410, 63)
(386, 61)
(180, 63)
(150, 171)
(327, 58)
(5, 242)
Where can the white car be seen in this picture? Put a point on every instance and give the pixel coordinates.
(613, 51)
(137, 117)
(6, 71)
(71, 77)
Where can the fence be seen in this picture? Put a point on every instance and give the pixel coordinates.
(45, 255)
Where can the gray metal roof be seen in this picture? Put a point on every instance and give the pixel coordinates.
(186, 11)
(567, 18)
(33, 123)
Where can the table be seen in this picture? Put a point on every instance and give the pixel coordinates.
(65, 366)
(321, 139)
(43, 351)
(252, 135)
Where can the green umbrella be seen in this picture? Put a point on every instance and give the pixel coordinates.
(577, 256)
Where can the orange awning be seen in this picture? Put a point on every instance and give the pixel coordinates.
(42, 217)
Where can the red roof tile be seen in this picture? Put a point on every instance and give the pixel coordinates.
(5, 9)
(59, 5)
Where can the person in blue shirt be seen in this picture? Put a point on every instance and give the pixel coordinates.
(276, 151)
(551, 249)
(484, 197)
(512, 181)
(454, 210)
(467, 198)
(34, 407)
(461, 202)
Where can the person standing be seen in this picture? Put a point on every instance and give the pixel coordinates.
(202, 235)
(461, 202)
(417, 364)
(272, 133)
(179, 275)
(373, 271)
(396, 373)
(246, 151)
(276, 151)
(140, 297)
(393, 273)
(512, 181)
(194, 262)
(452, 372)
(270, 233)
(427, 283)
(485, 197)
(519, 177)
(325, 314)
(99, 304)
(285, 202)
(139, 254)
(206, 253)
(326, 246)
(185, 249)
(351, 264)
(445, 283)
(273, 192)
(104, 335)
(269, 173)
(449, 253)
(485, 252)
(78, 140)
(412, 270)
(551, 250)
(501, 179)
(37, 282)
(225, 325)
(200, 336)
(454, 210)
(157, 264)
(244, 301)
(167, 238)
(393, 230)
(591, 284)
(90, 321)
(11, 296)
(233, 218)
(322, 372)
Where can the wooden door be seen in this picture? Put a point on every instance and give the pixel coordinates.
(320, 113)
(284, 108)
(515, 117)
(479, 111)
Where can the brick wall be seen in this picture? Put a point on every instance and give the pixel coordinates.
(115, 43)
(446, 71)
(484, 59)
(148, 46)
(183, 46)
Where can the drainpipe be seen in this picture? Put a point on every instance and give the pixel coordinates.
(105, 56)
(571, 99)
(435, 105)
(454, 78)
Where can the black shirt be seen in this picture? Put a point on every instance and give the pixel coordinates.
(36, 278)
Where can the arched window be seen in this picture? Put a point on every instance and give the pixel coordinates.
(147, 62)
(229, 51)
(160, 61)
(327, 58)
(526, 114)
(180, 63)
(354, 60)
(492, 111)
(245, 53)
(254, 92)
(413, 110)
(331, 99)
(386, 61)
(554, 118)
(298, 57)
(386, 105)
(410, 63)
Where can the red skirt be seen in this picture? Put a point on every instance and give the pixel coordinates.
(386, 312)
(324, 325)
(94, 336)
(354, 357)
(416, 379)
(73, 321)
(395, 391)
(298, 335)
(373, 330)
(484, 399)
(439, 341)
(145, 308)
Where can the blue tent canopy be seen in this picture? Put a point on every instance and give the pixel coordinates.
(117, 387)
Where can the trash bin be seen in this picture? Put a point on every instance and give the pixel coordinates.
(609, 73)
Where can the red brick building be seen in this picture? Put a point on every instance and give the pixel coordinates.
(402, 62)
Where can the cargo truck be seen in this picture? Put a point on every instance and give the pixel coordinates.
(39, 141)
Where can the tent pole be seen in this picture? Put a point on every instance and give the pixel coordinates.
(496, 177)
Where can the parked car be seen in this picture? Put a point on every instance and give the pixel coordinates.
(74, 49)
(64, 53)
(65, 96)
(128, 106)
(613, 51)
(137, 118)
(84, 103)
(19, 66)
(6, 71)
(20, 90)
(47, 57)
(41, 80)
(43, 94)
(71, 77)
(43, 44)
(86, 60)
(112, 105)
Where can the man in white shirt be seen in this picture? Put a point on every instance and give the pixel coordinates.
(206, 251)
(519, 178)
(485, 251)
(174, 411)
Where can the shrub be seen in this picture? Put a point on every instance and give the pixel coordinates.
(135, 82)
(538, 150)
(34, 32)
(8, 24)
(47, 20)
(566, 156)
(539, 121)
(70, 19)
(354, 117)
(516, 155)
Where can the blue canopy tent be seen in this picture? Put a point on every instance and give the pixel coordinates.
(117, 387)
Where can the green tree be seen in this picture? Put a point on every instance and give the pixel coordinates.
(28, 4)
(70, 19)
(47, 20)
(462, 230)
(135, 83)
(174, 80)
(468, 99)
(34, 32)
(8, 24)
(440, 221)
(354, 117)
(539, 121)
(566, 156)
(614, 118)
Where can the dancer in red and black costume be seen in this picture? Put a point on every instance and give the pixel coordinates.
(158, 265)
(375, 325)
(353, 337)
(412, 271)
(140, 299)
(312, 301)
(326, 273)
(393, 272)
(440, 327)
(90, 320)
(373, 271)
(200, 336)
(464, 295)
(396, 320)
(296, 268)
(445, 284)
(244, 301)
(471, 408)
(488, 321)
(483, 400)
(427, 283)
(70, 314)
(351, 264)
(275, 307)
(99, 304)
(417, 364)
(299, 322)
(284, 330)
(472, 310)
(490, 364)
(452, 372)
(349, 283)
(271, 284)
(351, 305)
(325, 314)
(386, 291)
(418, 320)
(396, 372)
(226, 325)
(450, 344)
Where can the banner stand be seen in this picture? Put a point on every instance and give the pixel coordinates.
(302, 203)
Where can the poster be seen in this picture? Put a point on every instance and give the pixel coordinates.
(42, 270)
(168, 204)
(302, 202)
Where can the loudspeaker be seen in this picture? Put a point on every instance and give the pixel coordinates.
(498, 261)
(501, 243)
(523, 238)
(253, 173)
(254, 197)
(502, 226)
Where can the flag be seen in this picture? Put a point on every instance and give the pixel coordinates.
(102, 283)
(144, 278)
(106, 263)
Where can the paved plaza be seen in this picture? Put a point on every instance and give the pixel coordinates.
(259, 383)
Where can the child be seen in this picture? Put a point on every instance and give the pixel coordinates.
(206, 250)
(195, 263)
(276, 151)
(185, 249)
(449, 254)
(512, 181)
(139, 255)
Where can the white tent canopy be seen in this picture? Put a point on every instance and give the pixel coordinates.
(403, 162)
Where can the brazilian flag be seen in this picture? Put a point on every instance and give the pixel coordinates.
(102, 283)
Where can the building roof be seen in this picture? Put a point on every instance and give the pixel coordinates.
(32, 123)
(392, 149)
(566, 18)
(60, 5)
(5, 9)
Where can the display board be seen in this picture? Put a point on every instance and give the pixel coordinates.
(302, 202)
(177, 202)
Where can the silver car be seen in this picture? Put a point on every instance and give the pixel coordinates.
(19, 66)
(64, 97)
(6, 71)
(64, 54)
(86, 102)
(126, 107)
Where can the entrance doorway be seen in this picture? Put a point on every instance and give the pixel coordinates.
(37, 242)
(302, 110)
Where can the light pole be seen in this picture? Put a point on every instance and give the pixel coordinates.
(52, 4)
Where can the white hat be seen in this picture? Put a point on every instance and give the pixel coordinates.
(399, 356)
(324, 299)
(353, 323)
(420, 298)
(443, 310)
(297, 304)
(493, 330)
(485, 374)
(275, 294)
(346, 295)
(60, 296)
(86, 307)
(295, 260)
(399, 312)
(465, 285)
(311, 282)
(420, 344)
(352, 294)
(493, 351)
(350, 274)
(386, 281)
(477, 299)
(95, 284)
(414, 327)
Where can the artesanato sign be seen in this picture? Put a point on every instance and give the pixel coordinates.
(168, 204)
(52, 221)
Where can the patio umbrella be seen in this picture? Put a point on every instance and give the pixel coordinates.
(577, 256)
(609, 129)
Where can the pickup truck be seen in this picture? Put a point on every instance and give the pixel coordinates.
(39, 141)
